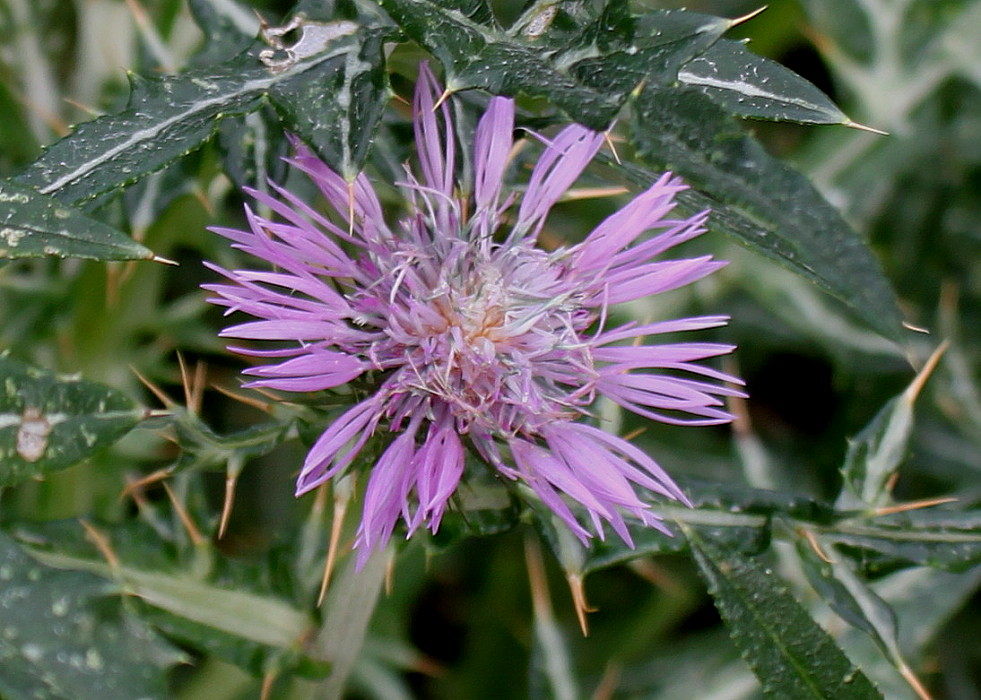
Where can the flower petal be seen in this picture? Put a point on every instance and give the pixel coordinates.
(434, 143)
(492, 148)
(558, 167)
(325, 458)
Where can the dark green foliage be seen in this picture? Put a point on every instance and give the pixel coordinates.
(834, 507)
(50, 422)
(64, 637)
(788, 651)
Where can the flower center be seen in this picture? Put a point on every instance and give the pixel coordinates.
(494, 336)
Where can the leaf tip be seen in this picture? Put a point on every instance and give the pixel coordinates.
(745, 18)
(165, 261)
(916, 387)
(862, 127)
(916, 329)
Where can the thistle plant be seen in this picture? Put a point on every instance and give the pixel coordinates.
(358, 322)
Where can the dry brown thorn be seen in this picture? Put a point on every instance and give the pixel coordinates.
(162, 395)
(267, 685)
(263, 406)
(636, 432)
(612, 147)
(862, 127)
(82, 107)
(231, 479)
(581, 193)
(193, 385)
(101, 543)
(914, 682)
(442, 98)
(192, 530)
(607, 686)
(913, 505)
(333, 544)
(136, 486)
(815, 545)
(747, 17)
(656, 576)
(579, 602)
(389, 573)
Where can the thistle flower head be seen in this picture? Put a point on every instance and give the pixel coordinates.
(473, 334)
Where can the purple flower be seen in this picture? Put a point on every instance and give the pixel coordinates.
(472, 333)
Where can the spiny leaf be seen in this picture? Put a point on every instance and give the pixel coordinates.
(753, 86)
(588, 77)
(623, 51)
(262, 619)
(57, 645)
(169, 116)
(788, 220)
(339, 129)
(942, 539)
(477, 56)
(875, 453)
(33, 225)
(789, 653)
(50, 421)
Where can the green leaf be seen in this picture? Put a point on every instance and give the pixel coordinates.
(59, 641)
(942, 539)
(623, 51)
(258, 618)
(789, 653)
(169, 116)
(587, 73)
(336, 109)
(738, 516)
(779, 212)
(477, 56)
(177, 586)
(753, 86)
(875, 453)
(202, 448)
(50, 421)
(33, 225)
(852, 599)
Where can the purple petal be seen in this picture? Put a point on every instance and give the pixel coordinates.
(544, 490)
(632, 330)
(620, 446)
(559, 166)
(492, 147)
(653, 278)
(621, 228)
(440, 466)
(387, 491)
(325, 458)
(434, 143)
(321, 369)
